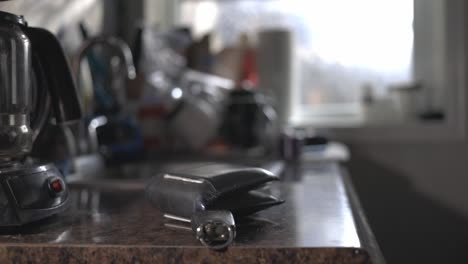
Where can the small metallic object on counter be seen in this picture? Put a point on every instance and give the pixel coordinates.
(199, 186)
(294, 142)
(291, 144)
(214, 229)
(209, 195)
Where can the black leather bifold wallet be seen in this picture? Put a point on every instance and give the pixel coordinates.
(184, 190)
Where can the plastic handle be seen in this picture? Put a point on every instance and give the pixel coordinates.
(50, 61)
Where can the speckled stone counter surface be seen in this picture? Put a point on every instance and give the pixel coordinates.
(320, 222)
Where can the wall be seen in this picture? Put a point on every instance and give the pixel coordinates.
(61, 17)
(55, 14)
(416, 199)
(164, 13)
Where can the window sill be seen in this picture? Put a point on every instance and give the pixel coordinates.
(354, 129)
(422, 132)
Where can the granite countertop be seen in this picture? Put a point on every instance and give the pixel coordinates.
(321, 222)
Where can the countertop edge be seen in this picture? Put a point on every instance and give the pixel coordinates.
(153, 254)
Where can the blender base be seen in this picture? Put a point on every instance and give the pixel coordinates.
(31, 193)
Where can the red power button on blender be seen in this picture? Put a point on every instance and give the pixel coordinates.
(56, 186)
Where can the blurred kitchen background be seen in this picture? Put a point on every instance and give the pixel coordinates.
(246, 77)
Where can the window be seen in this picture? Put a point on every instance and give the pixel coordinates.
(341, 46)
(344, 46)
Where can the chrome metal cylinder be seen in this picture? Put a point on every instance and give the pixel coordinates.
(15, 88)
